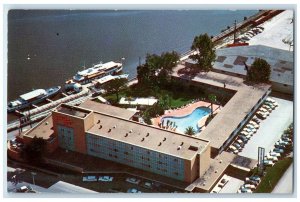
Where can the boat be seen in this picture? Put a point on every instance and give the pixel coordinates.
(97, 71)
(33, 97)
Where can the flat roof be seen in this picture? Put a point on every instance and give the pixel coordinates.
(72, 110)
(107, 109)
(281, 61)
(230, 116)
(146, 136)
(42, 130)
(217, 168)
(64, 187)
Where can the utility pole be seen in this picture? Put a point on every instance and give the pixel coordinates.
(234, 32)
(33, 174)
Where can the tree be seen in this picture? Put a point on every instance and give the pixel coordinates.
(115, 85)
(190, 131)
(259, 72)
(34, 151)
(212, 98)
(205, 53)
(157, 69)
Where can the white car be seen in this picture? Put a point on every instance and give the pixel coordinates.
(254, 124)
(249, 131)
(268, 163)
(105, 179)
(270, 100)
(133, 190)
(216, 190)
(244, 190)
(269, 109)
(249, 186)
(275, 154)
(233, 149)
(89, 179)
(261, 114)
(251, 127)
(223, 181)
(133, 180)
(271, 158)
(264, 111)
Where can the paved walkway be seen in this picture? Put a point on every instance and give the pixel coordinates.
(285, 184)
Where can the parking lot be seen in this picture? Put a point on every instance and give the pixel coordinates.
(270, 129)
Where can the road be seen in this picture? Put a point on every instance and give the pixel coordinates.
(270, 129)
(285, 184)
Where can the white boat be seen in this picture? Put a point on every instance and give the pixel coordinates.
(97, 71)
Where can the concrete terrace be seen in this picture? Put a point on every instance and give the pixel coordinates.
(233, 113)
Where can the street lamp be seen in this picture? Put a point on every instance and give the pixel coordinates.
(33, 174)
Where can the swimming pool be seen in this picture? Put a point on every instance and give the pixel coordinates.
(189, 120)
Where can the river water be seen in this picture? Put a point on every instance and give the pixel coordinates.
(45, 48)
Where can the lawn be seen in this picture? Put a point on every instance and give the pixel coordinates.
(273, 175)
(175, 98)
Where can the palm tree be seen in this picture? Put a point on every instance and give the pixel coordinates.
(190, 131)
(212, 98)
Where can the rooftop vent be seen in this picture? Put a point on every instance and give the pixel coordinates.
(179, 147)
(109, 130)
(159, 144)
(165, 139)
(47, 123)
(147, 134)
(130, 131)
(193, 148)
(181, 144)
(143, 139)
(100, 126)
(115, 126)
(98, 121)
(126, 134)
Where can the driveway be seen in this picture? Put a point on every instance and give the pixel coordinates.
(232, 186)
(270, 129)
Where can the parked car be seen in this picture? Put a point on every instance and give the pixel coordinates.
(23, 189)
(243, 138)
(286, 139)
(261, 115)
(278, 150)
(89, 179)
(240, 142)
(275, 154)
(223, 181)
(249, 186)
(270, 100)
(271, 105)
(233, 149)
(271, 158)
(105, 178)
(268, 163)
(249, 130)
(251, 127)
(244, 190)
(254, 124)
(254, 178)
(148, 185)
(245, 135)
(266, 112)
(248, 181)
(133, 190)
(236, 145)
(133, 180)
(216, 190)
(268, 108)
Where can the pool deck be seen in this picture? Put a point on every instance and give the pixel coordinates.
(186, 110)
(235, 110)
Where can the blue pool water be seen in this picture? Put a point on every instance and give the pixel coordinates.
(189, 120)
